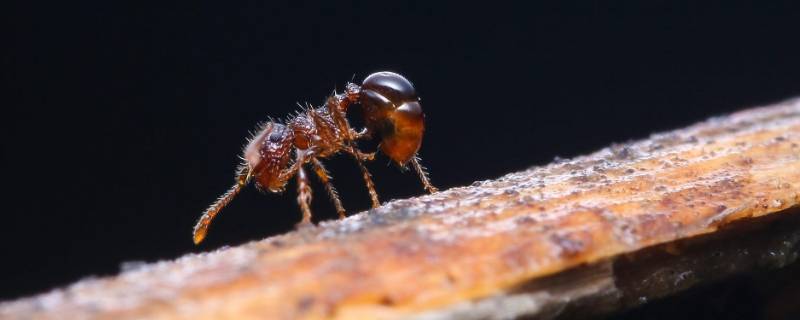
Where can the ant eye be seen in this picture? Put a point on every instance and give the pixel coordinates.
(391, 86)
(277, 134)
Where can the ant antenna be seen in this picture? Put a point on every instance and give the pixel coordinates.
(201, 228)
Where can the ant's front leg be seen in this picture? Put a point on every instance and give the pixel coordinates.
(303, 192)
(304, 196)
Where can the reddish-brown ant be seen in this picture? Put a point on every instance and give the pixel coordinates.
(392, 114)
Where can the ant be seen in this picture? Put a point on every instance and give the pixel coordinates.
(392, 114)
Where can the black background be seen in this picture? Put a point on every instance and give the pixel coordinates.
(122, 122)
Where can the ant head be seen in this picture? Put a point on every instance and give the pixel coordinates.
(267, 154)
(392, 111)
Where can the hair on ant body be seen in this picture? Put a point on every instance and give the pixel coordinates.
(278, 152)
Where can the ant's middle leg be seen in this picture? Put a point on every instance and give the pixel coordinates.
(325, 177)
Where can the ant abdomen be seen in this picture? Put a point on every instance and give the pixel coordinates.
(392, 111)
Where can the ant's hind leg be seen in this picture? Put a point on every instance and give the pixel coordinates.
(373, 195)
(304, 196)
(423, 175)
(358, 135)
(326, 178)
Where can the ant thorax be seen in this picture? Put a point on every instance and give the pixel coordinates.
(315, 130)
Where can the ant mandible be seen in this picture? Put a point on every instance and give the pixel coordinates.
(392, 114)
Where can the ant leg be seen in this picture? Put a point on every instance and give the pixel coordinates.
(423, 175)
(287, 174)
(366, 156)
(303, 195)
(358, 135)
(335, 110)
(326, 178)
(337, 106)
(373, 195)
